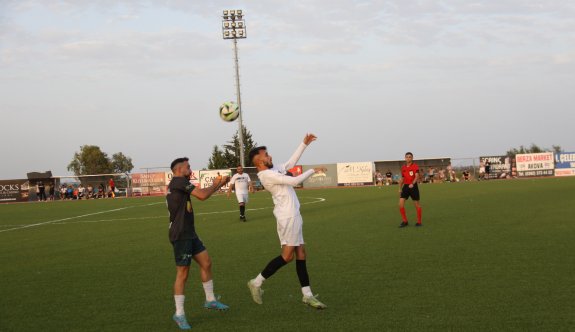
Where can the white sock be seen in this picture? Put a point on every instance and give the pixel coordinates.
(179, 304)
(209, 290)
(306, 291)
(259, 280)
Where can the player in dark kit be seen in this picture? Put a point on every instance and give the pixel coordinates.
(408, 188)
(187, 245)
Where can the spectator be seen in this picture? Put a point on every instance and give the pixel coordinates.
(481, 170)
(37, 190)
(81, 191)
(63, 192)
(465, 175)
(101, 191)
(90, 192)
(378, 178)
(452, 177)
(441, 175)
(51, 191)
(388, 177)
(70, 192)
(431, 173)
(487, 169)
(41, 191)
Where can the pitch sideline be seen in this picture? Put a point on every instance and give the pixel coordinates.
(63, 220)
(76, 217)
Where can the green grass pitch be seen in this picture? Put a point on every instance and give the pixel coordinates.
(492, 256)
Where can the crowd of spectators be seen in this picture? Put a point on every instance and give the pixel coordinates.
(74, 191)
(430, 175)
(78, 192)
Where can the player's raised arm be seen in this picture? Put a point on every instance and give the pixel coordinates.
(277, 178)
(299, 151)
(203, 194)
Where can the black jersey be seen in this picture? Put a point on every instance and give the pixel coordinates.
(180, 208)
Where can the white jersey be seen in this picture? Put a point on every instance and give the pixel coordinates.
(241, 183)
(281, 186)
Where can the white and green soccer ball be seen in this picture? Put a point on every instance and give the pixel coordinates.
(229, 111)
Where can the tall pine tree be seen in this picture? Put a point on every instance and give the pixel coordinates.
(229, 156)
(217, 160)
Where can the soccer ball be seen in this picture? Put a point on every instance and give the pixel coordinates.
(229, 111)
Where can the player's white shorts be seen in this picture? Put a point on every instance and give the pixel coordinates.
(242, 198)
(290, 231)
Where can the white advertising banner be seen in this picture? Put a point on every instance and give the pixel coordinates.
(535, 164)
(207, 177)
(355, 174)
(565, 164)
(194, 177)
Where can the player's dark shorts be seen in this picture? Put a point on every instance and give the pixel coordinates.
(407, 192)
(184, 250)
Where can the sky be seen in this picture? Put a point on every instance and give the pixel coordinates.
(372, 79)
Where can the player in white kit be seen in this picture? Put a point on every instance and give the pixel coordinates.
(242, 185)
(289, 220)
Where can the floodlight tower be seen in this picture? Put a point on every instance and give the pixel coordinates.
(234, 27)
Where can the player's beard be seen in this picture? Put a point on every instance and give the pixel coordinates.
(269, 164)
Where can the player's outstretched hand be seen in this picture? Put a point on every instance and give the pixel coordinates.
(309, 138)
(225, 179)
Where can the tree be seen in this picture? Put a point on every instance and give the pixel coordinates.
(90, 160)
(229, 156)
(534, 148)
(232, 149)
(121, 163)
(217, 160)
(557, 148)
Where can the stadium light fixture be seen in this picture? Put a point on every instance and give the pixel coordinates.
(234, 27)
(231, 21)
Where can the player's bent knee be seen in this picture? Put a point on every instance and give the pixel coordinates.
(288, 258)
(206, 265)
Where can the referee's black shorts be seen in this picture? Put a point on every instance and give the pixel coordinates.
(407, 192)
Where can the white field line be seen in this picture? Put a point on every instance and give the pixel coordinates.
(319, 200)
(76, 217)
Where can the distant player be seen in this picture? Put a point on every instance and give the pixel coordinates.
(242, 184)
(408, 188)
(187, 245)
(289, 220)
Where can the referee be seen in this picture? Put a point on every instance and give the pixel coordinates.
(408, 188)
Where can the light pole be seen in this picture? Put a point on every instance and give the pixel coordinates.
(234, 27)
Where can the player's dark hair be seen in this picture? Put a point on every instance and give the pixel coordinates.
(255, 151)
(409, 153)
(177, 161)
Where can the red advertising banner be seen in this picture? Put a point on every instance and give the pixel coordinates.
(149, 184)
(535, 164)
(296, 171)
